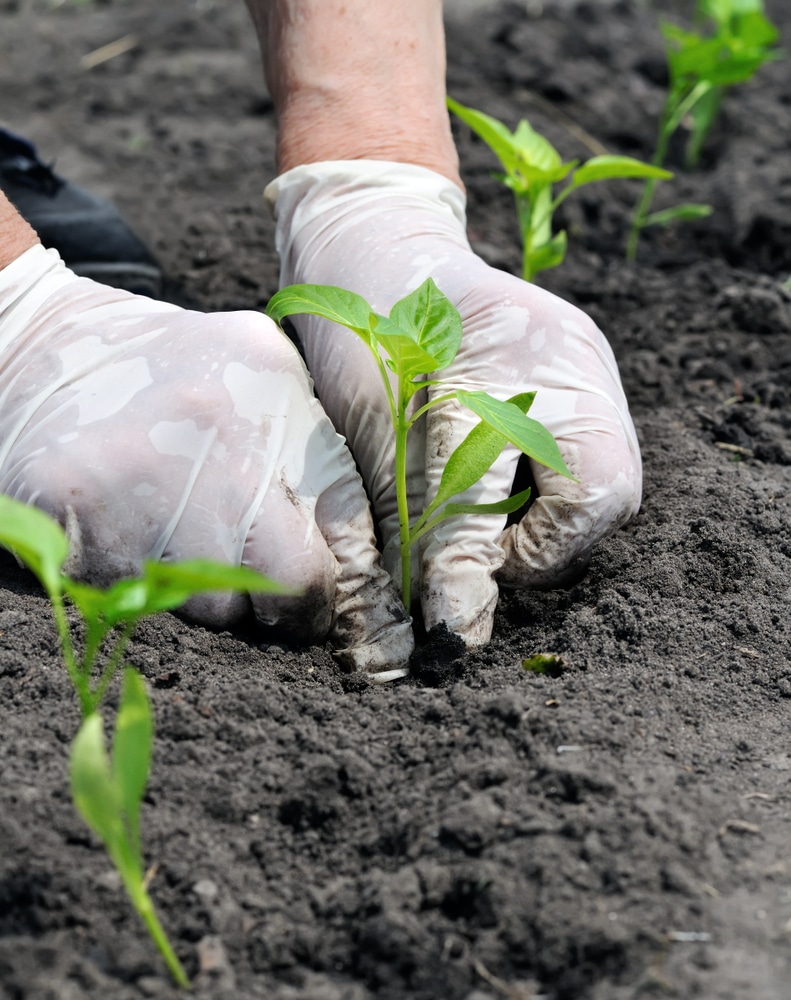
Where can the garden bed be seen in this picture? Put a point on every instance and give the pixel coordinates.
(620, 830)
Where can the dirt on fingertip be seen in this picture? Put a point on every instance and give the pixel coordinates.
(615, 830)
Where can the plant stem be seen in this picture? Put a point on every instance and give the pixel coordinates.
(673, 114)
(144, 906)
(401, 429)
(77, 677)
(110, 668)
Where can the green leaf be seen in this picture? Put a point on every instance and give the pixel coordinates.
(431, 323)
(755, 31)
(92, 786)
(93, 604)
(134, 735)
(507, 506)
(170, 584)
(529, 436)
(536, 151)
(496, 136)
(685, 212)
(335, 304)
(36, 539)
(601, 168)
(165, 586)
(703, 115)
(472, 458)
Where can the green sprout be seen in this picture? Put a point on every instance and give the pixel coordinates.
(107, 794)
(109, 616)
(701, 67)
(532, 167)
(420, 338)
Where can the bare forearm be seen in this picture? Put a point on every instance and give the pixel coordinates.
(357, 79)
(16, 236)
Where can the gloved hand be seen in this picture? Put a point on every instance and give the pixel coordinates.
(152, 432)
(380, 229)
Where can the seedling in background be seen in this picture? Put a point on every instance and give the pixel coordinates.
(420, 338)
(701, 67)
(532, 168)
(108, 794)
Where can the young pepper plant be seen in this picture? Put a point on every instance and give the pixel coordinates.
(420, 338)
(701, 67)
(109, 616)
(108, 794)
(532, 168)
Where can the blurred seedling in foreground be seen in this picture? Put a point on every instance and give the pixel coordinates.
(108, 792)
(419, 339)
(701, 67)
(532, 168)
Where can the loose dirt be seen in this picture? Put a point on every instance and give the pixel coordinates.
(620, 830)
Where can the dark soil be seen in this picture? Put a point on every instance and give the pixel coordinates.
(620, 830)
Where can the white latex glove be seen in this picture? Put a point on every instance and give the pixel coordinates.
(152, 432)
(380, 229)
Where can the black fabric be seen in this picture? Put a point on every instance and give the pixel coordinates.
(87, 231)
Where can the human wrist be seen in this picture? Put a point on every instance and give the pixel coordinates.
(16, 235)
(358, 79)
(329, 124)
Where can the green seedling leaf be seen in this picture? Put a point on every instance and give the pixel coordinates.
(496, 135)
(507, 506)
(431, 322)
(544, 663)
(132, 742)
(686, 212)
(538, 153)
(527, 434)
(93, 789)
(702, 115)
(470, 461)
(170, 584)
(36, 539)
(335, 304)
(164, 587)
(602, 168)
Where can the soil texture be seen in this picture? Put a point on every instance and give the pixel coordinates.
(619, 827)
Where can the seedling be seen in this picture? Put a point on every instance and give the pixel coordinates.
(108, 794)
(109, 616)
(532, 168)
(701, 67)
(420, 338)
